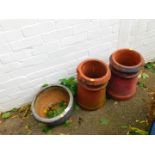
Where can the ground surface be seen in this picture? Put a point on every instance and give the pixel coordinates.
(115, 117)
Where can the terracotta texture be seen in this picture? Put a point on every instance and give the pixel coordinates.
(126, 60)
(125, 65)
(93, 76)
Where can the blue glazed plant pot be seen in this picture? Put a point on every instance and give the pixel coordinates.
(152, 129)
(50, 96)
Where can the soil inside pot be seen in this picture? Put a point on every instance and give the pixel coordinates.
(52, 98)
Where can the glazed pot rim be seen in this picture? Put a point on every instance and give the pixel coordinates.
(59, 117)
(125, 66)
(102, 79)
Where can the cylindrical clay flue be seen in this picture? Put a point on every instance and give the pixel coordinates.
(93, 76)
(125, 65)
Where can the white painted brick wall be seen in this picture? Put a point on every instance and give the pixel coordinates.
(13, 35)
(34, 52)
(38, 29)
(26, 43)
